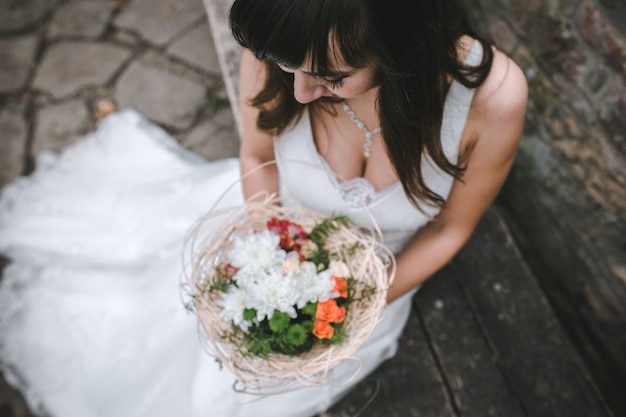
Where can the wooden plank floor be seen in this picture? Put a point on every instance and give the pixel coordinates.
(482, 341)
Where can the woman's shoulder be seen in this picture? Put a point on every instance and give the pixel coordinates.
(499, 105)
(505, 89)
(505, 81)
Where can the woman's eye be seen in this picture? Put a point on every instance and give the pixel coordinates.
(333, 82)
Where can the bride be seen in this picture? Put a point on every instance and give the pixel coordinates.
(393, 106)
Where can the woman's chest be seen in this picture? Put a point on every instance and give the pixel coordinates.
(351, 150)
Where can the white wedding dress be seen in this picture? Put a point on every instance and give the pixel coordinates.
(91, 318)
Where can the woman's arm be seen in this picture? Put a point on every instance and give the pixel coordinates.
(497, 118)
(257, 147)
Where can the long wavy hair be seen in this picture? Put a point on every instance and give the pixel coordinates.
(413, 44)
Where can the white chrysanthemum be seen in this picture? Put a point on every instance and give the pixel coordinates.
(313, 286)
(308, 267)
(249, 277)
(275, 292)
(256, 252)
(233, 303)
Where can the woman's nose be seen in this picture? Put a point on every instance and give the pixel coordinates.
(306, 88)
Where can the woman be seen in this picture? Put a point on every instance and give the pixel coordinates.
(394, 64)
(391, 109)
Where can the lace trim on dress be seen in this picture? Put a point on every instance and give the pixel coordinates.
(357, 192)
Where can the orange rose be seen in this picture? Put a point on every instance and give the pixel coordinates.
(322, 329)
(341, 287)
(330, 311)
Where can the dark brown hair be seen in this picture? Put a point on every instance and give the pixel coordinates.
(413, 44)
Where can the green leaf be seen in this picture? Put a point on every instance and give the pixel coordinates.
(327, 227)
(338, 335)
(310, 309)
(261, 348)
(249, 314)
(308, 326)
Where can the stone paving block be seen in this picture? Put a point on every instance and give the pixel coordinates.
(126, 38)
(21, 14)
(17, 57)
(68, 67)
(159, 60)
(215, 137)
(198, 49)
(83, 18)
(60, 125)
(13, 145)
(164, 97)
(159, 21)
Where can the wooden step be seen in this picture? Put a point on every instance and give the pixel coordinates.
(228, 51)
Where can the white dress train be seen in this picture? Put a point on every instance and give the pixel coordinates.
(91, 319)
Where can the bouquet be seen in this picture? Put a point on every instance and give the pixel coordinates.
(284, 294)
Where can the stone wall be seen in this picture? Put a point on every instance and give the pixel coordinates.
(566, 196)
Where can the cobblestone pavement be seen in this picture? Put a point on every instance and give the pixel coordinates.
(64, 64)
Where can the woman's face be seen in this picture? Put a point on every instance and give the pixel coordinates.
(343, 83)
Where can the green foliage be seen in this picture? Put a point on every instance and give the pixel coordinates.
(279, 322)
(358, 292)
(338, 336)
(249, 314)
(261, 347)
(325, 228)
(296, 335)
(307, 325)
(221, 283)
(353, 249)
(320, 233)
(281, 334)
(310, 309)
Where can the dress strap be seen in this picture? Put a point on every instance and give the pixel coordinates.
(456, 108)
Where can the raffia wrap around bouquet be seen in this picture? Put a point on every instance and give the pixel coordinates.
(369, 265)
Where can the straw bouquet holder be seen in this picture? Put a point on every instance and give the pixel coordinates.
(213, 236)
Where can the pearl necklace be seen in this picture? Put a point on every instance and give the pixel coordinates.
(369, 134)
